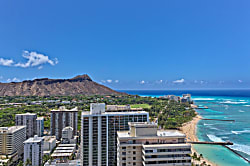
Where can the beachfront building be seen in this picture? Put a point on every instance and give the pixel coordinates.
(33, 151)
(39, 126)
(62, 118)
(28, 120)
(173, 98)
(186, 98)
(144, 145)
(11, 142)
(99, 130)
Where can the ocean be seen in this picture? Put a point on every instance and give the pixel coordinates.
(222, 104)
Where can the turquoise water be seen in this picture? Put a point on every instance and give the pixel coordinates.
(222, 105)
(238, 132)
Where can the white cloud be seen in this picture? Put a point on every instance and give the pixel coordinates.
(109, 81)
(159, 81)
(6, 62)
(116, 81)
(40, 67)
(103, 81)
(13, 80)
(33, 59)
(240, 81)
(179, 81)
(142, 82)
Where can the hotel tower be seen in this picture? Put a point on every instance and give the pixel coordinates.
(99, 131)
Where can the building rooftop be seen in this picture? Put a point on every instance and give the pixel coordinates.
(34, 139)
(34, 114)
(49, 138)
(166, 145)
(40, 118)
(87, 113)
(63, 108)
(66, 145)
(10, 129)
(160, 133)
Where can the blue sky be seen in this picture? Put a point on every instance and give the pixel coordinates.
(163, 44)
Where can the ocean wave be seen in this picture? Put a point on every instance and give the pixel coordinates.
(247, 105)
(240, 132)
(214, 128)
(241, 111)
(233, 102)
(205, 124)
(241, 148)
(214, 138)
(202, 99)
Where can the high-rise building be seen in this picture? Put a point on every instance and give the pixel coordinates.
(33, 151)
(39, 126)
(63, 118)
(99, 130)
(28, 120)
(144, 145)
(11, 140)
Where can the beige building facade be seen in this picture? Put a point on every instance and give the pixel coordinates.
(144, 145)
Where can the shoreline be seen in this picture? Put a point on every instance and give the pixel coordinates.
(189, 129)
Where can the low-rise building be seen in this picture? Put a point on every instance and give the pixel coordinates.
(49, 144)
(67, 136)
(64, 152)
(145, 145)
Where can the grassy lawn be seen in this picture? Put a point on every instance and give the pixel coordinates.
(140, 106)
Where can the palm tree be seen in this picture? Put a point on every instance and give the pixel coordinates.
(20, 163)
(28, 162)
(45, 158)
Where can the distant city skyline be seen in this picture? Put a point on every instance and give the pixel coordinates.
(128, 45)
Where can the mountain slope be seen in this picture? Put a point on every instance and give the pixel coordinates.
(81, 84)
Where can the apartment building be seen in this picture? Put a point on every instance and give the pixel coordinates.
(28, 120)
(99, 131)
(39, 126)
(62, 118)
(145, 145)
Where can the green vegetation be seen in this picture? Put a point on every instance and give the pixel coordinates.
(140, 106)
(168, 114)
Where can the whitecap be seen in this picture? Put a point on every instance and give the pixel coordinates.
(241, 148)
(247, 105)
(214, 138)
(241, 111)
(203, 99)
(233, 102)
(240, 132)
(205, 124)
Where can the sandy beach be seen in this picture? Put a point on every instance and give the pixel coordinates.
(189, 129)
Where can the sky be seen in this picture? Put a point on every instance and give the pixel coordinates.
(142, 44)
